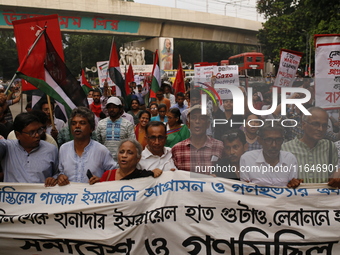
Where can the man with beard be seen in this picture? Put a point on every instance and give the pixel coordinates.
(28, 159)
(97, 106)
(234, 146)
(82, 154)
(270, 166)
(111, 130)
(250, 130)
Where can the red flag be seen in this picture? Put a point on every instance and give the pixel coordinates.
(114, 70)
(179, 85)
(26, 31)
(58, 82)
(129, 78)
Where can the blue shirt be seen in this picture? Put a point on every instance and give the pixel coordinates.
(33, 167)
(181, 109)
(95, 157)
(157, 118)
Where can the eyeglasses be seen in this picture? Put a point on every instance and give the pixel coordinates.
(153, 108)
(154, 138)
(318, 124)
(270, 140)
(35, 132)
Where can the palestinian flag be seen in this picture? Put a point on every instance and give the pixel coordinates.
(58, 83)
(85, 85)
(26, 32)
(156, 77)
(114, 70)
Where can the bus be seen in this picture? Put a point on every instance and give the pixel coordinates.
(250, 64)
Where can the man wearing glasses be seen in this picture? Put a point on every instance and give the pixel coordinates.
(28, 159)
(317, 157)
(155, 155)
(270, 166)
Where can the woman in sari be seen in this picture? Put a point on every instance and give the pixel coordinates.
(144, 118)
(128, 155)
(177, 132)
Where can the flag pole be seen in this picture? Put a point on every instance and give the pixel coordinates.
(50, 109)
(24, 60)
(107, 72)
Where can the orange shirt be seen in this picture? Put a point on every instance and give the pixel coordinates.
(166, 102)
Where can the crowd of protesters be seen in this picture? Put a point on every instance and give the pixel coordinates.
(123, 138)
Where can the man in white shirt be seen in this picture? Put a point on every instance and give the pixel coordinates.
(270, 166)
(155, 155)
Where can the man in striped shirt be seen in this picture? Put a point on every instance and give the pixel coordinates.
(317, 157)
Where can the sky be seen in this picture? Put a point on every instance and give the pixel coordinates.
(245, 9)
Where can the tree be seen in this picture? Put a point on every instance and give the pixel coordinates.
(9, 56)
(290, 24)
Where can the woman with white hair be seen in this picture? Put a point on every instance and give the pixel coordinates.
(128, 155)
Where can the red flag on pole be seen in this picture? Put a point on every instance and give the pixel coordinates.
(129, 78)
(179, 85)
(26, 31)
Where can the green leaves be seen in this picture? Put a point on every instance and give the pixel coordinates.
(291, 24)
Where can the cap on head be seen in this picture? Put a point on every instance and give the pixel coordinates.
(114, 100)
(198, 107)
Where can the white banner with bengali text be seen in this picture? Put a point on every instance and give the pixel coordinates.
(327, 71)
(177, 213)
(289, 63)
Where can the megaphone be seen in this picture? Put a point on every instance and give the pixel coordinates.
(184, 65)
(93, 69)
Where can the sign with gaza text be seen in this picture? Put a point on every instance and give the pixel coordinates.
(226, 75)
(289, 63)
(327, 71)
(177, 213)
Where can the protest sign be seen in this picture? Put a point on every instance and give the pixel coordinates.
(327, 71)
(226, 75)
(289, 63)
(177, 213)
